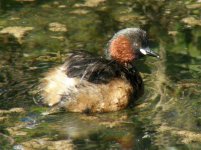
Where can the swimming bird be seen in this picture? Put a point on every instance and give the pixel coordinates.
(90, 83)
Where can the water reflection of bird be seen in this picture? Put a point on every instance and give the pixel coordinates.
(87, 83)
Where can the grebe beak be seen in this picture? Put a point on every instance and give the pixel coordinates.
(147, 51)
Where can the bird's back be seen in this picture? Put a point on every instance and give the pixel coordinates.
(86, 66)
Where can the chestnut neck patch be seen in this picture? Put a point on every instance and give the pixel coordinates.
(121, 50)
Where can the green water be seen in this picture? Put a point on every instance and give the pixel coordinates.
(168, 116)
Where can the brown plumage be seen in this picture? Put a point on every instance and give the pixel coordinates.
(89, 83)
(121, 50)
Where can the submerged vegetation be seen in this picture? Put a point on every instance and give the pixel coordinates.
(36, 34)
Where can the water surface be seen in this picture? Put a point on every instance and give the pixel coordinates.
(168, 116)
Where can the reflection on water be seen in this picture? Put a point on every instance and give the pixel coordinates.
(168, 116)
(119, 130)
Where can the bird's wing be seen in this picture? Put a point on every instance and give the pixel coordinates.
(86, 66)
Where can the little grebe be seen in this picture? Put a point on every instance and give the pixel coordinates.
(95, 84)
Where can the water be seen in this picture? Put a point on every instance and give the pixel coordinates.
(168, 116)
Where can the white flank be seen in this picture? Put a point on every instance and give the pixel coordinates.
(55, 84)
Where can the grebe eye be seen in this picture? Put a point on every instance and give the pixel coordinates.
(136, 46)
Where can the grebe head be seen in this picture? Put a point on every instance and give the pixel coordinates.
(129, 44)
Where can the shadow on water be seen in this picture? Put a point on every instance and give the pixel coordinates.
(168, 116)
